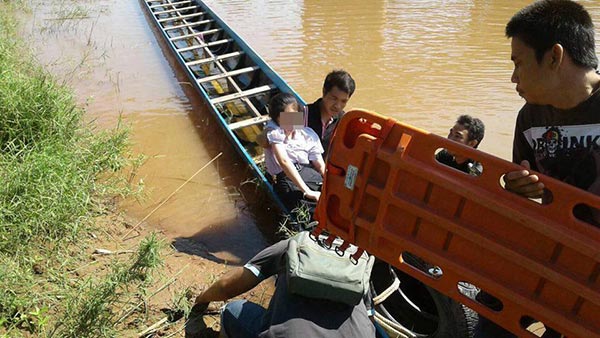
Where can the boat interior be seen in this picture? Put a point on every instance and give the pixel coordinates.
(236, 85)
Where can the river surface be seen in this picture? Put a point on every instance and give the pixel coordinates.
(423, 62)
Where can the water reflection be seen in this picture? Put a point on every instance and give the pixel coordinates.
(349, 35)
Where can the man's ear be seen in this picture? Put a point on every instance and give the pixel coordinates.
(557, 54)
(472, 143)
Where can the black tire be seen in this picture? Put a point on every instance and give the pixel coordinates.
(419, 308)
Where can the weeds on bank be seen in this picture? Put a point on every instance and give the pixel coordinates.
(297, 220)
(182, 301)
(55, 302)
(90, 311)
(49, 160)
(72, 19)
(55, 173)
(33, 107)
(76, 12)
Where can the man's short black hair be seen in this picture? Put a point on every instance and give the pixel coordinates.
(475, 127)
(341, 79)
(545, 23)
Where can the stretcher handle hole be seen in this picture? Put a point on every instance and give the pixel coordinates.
(468, 289)
(466, 166)
(588, 214)
(488, 300)
(431, 270)
(538, 328)
(547, 195)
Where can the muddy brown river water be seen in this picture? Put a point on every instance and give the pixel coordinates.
(421, 62)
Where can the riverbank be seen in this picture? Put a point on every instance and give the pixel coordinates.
(59, 176)
(72, 265)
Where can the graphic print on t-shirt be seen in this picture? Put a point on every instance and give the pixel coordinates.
(569, 153)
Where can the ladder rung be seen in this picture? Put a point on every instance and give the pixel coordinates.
(169, 4)
(173, 18)
(187, 36)
(228, 74)
(202, 45)
(174, 10)
(213, 59)
(191, 24)
(249, 122)
(245, 93)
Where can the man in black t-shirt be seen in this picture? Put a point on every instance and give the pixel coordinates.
(558, 129)
(468, 131)
(325, 113)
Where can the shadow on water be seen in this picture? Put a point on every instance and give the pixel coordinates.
(205, 244)
(254, 206)
(211, 241)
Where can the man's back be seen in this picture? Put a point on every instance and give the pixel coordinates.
(291, 315)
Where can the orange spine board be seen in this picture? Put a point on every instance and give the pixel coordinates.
(385, 192)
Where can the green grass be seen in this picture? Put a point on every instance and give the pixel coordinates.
(299, 219)
(92, 312)
(49, 160)
(73, 12)
(56, 174)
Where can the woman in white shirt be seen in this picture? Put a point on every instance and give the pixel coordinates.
(295, 155)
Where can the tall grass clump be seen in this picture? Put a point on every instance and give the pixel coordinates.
(56, 174)
(34, 108)
(49, 160)
(299, 219)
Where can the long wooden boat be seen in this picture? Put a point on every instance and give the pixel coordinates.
(234, 80)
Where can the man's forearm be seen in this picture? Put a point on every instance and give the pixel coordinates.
(232, 284)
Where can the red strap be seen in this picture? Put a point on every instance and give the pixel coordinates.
(357, 255)
(329, 241)
(340, 250)
(316, 232)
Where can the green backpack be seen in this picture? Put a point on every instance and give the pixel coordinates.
(339, 272)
